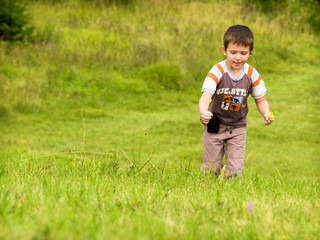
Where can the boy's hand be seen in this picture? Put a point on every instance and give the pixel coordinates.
(268, 118)
(205, 116)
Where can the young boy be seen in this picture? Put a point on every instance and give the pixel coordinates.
(223, 105)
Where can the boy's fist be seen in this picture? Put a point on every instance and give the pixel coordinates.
(205, 117)
(268, 118)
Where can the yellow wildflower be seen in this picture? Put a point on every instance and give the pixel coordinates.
(271, 115)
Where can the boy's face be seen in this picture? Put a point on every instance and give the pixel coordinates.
(237, 56)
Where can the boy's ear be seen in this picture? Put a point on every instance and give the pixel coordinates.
(224, 51)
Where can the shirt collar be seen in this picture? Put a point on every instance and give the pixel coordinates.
(232, 77)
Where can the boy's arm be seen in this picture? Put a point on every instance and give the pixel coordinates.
(263, 108)
(204, 102)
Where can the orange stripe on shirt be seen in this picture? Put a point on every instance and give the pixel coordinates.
(250, 71)
(256, 83)
(220, 68)
(212, 76)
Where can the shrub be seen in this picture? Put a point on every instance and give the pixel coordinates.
(124, 3)
(163, 75)
(314, 18)
(14, 20)
(267, 6)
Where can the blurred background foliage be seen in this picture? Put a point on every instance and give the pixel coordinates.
(102, 53)
(14, 20)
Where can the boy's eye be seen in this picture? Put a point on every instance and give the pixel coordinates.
(242, 53)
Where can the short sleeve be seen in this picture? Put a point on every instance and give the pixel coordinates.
(258, 87)
(211, 80)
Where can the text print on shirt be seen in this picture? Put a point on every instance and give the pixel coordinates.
(233, 91)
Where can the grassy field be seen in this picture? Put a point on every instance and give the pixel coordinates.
(100, 136)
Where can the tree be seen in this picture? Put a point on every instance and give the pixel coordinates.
(14, 20)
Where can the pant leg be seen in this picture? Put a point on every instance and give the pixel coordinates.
(213, 150)
(235, 152)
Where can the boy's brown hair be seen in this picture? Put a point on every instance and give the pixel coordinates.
(239, 35)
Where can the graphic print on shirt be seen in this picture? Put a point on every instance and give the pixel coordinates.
(227, 98)
(237, 100)
(231, 103)
(225, 105)
(235, 107)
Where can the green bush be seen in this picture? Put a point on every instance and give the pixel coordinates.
(301, 13)
(124, 3)
(268, 6)
(14, 20)
(314, 18)
(163, 75)
(45, 33)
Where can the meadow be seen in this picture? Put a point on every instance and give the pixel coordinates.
(100, 135)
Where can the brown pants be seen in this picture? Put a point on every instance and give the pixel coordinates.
(230, 141)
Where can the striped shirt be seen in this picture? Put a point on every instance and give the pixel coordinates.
(229, 100)
(218, 70)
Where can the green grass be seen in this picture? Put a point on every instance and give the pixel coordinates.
(104, 198)
(100, 136)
